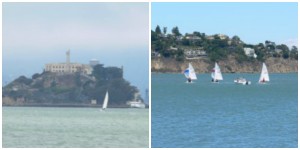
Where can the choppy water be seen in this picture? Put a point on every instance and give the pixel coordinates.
(74, 127)
(204, 114)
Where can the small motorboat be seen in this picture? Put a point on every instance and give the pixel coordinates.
(242, 81)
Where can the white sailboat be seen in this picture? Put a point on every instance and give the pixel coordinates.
(264, 76)
(216, 74)
(190, 73)
(104, 106)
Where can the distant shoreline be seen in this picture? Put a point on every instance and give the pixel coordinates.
(57, 105)
(63, 105)
(158, 72)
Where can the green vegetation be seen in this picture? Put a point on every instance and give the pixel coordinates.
(24, 80)
(217, 47)
(110, 79)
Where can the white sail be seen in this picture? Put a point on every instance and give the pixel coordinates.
(104, 106)
(264, 76)
(190, 72)
(216, 73)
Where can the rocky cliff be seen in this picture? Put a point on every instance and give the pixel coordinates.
(230, 65)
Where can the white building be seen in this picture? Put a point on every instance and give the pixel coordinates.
(192, 37)
(194, 53)
(250, 52)
(173, 48)
(221, 36)
(68, 67)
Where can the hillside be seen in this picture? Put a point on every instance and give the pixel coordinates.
(70, 89)
(172, 52)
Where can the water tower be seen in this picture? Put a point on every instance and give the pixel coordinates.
(94, 62)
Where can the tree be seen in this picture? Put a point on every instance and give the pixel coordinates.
(217, 42)
(36, 75)
(180, 55)
(153, 36)
(285, 50)
(235, 40)
(157, 30)
(166, 53)
(53, 83)
(107, 73)
(294, 53)
(99, 72)
(285, 54)
(24, 80)
(270, 45)
(261, 45)
(165, 30)
(260, 55)
(197, 33)
(283, 47)
(113, 73)
(175, 31)
(294, 48)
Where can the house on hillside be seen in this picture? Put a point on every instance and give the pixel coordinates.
(192, 37)
(221, 36)
(155, 54)
(173, 48)
(194, 53)
(250, 52)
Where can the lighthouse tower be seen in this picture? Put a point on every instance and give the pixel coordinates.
(68, 61)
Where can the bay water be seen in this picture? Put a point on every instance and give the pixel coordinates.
(52, 127)
(224, 115)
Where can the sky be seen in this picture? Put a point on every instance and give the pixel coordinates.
(253, 22)
(117, 34)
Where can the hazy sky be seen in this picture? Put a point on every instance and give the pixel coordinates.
(114, 33)
(252, 22)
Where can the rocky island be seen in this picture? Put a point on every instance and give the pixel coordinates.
(71, 84)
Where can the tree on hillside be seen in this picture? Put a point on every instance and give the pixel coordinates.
(294, 48)
(180, 55)
(113, 73)
(165, 30)
(35, 76)
(260, 54)
(153, 36)
(217, 42)
(24, 80)
(294, 52)
(157, 30)
(175, 31)
(235, 40)
(285, 50)
(285, 54)
(261, 45)
(283, 47)
(270, 45)
(197, 33)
